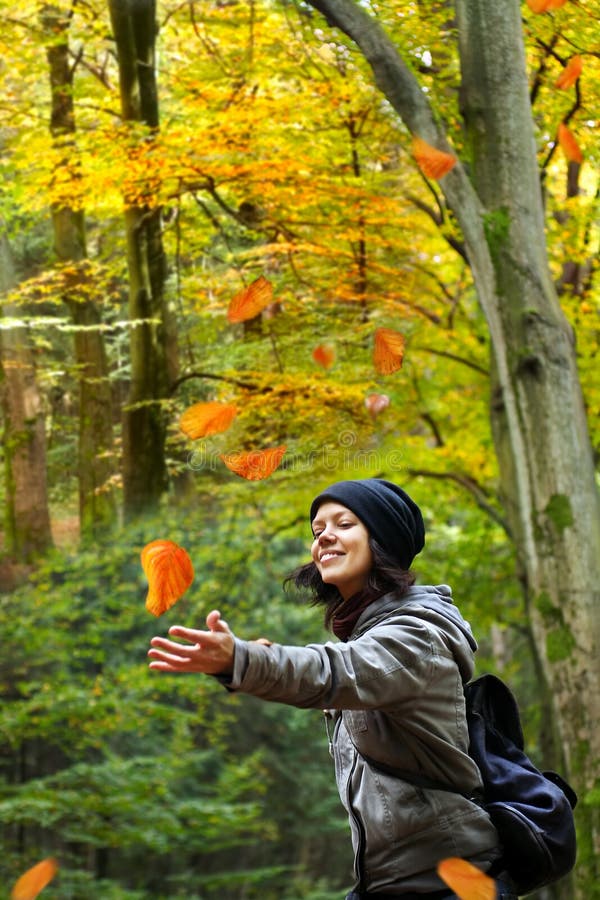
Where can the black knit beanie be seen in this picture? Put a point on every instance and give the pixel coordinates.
(389, 514)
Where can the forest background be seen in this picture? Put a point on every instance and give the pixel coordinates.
(157, 159)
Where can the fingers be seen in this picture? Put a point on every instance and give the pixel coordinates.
(167, 656)
(187, 634)
(209, 652)
(172, 648)
(216, 623)
(166, 663)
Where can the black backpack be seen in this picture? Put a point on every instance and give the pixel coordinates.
(532, 810)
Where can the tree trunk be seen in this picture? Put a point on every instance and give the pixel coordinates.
(26, 519)
(153, 346)
(96, 464)
(538, 416)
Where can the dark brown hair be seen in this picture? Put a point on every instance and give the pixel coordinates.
(385, 576)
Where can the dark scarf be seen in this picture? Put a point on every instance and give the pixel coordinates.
(349, 613)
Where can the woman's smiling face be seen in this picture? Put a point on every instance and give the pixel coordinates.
(340, 549)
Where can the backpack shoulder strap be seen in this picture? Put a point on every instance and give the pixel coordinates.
(491, 699)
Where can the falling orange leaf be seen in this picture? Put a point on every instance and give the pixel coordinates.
(203, 419)
(467, 882)
(34, 880)
(169, 571)
(389, 351)
(432, 162)
(542, 6)
(256, 464)
(324, 355)
(569, 145)
(251, 301)
(376, 403)
(570, 73)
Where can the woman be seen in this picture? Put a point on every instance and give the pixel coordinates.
(392, 685)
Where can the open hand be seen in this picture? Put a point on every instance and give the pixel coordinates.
(209, 652)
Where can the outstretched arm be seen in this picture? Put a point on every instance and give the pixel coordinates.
(209, 652)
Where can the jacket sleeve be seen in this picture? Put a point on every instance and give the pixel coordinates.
(386, 666)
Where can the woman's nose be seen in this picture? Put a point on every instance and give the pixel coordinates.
(326, 535)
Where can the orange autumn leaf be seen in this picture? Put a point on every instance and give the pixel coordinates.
(389, 351)
(256, 464)
(251, 301)
(467, 882)
(542, 6)
(324, 355)
(569, 74)
(169, 571)
(203, 419)
(569, 145)
(432, 162)
(34, 880)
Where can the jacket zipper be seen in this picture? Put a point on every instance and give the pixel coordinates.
(360, 850)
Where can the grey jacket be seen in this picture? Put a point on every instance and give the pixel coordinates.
(395, 692)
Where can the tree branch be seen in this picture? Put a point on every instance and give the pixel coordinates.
(459, 359)
(539, 75)
(398, 84)
(392, 75)
(245, 385)
(472, 487)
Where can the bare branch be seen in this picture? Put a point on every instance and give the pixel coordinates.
(476, 490)
(211, 376)
(459, 359)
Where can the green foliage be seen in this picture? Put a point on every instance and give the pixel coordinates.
(133, 780)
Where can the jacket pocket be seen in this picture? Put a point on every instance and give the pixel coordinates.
(355, 721)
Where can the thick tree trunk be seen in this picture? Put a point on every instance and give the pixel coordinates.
(544, 451)
(97, 497)
(26, 515)
(538, 416)
(153, 346)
